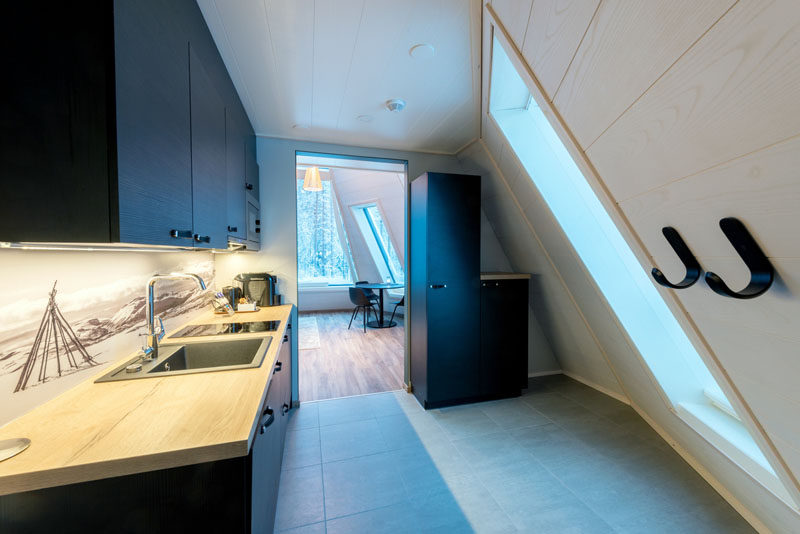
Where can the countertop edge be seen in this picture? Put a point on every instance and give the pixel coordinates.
(35, 480)
(505, 276)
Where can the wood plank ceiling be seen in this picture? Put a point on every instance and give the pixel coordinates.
(322, 70)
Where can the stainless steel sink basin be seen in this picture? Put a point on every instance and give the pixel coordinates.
(194, 358)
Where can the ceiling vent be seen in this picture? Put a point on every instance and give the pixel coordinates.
(395, 105)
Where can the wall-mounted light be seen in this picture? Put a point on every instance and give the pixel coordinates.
(312, 181)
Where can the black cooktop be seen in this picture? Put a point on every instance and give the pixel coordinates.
(197, 330)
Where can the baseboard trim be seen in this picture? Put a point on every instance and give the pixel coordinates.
(613, 394)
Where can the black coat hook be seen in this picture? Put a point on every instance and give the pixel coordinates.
(693, 268)
(761, 271)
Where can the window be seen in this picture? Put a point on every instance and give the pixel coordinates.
(323, 254)
(379, 242)
(691, 389)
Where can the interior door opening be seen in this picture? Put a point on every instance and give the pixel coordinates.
(351, 263)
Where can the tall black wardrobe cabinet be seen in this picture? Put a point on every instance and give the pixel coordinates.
(445, 288)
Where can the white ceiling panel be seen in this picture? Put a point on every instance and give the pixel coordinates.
(308, 69)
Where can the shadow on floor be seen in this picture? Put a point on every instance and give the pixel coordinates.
(563, 458)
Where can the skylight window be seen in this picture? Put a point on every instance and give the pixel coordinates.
(379, 242)
(691, 389)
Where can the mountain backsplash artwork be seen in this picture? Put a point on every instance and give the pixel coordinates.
(99, 298)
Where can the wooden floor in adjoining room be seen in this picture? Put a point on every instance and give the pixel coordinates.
(348, 362)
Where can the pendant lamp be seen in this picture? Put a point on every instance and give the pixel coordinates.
(312, 181)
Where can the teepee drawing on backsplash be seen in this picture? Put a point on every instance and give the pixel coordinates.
(55, 340)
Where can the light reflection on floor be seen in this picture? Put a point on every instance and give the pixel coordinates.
(561, 458)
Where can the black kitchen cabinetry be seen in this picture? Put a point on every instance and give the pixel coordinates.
(236, 495)
(504, 337)
(114, 127)
(445, 288)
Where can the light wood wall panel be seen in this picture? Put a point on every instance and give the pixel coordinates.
(555, 29)
(736, 91)
(516, 12)
(627, 47)
(761, 189)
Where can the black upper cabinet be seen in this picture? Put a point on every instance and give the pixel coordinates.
(154, 135)
(209, 180)
(55, 122)
(114, 131)
(235, 141)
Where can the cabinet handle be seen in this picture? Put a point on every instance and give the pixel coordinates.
(202, 238)
(258, 230)
(258, 221)
(285, 338)
(249, 187)
(233, 229)
(269, 421)
(284, 409)
(181, 234)
(278, 367)
(438, 286)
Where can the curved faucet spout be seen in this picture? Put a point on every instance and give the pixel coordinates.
(151, 348)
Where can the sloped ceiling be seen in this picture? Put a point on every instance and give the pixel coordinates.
(308, 69)
(689, 112)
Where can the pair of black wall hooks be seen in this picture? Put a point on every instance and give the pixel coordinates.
(761, 271)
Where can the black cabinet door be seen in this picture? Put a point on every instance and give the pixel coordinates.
(453, 286)
(252, 175)
(153, 124)
(56, 116)
(235, 140)
(504, 337)
(209, 180)
(265, 465)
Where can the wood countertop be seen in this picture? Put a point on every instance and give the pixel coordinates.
(96, 431)
(505, 276)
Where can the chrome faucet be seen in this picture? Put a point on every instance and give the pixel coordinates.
(150, 349)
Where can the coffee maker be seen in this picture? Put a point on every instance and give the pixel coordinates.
(258, 288)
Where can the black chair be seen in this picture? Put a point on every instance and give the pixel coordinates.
(360, 298)
(401, 302)
(370, 293)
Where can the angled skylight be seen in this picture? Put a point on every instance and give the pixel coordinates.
(659, 338)
(379, 242)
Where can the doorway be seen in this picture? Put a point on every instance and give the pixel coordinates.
(351, 263)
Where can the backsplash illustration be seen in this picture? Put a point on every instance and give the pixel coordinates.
(69, 314)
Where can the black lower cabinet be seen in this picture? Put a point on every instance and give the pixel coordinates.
(237, 495)
(504, 337)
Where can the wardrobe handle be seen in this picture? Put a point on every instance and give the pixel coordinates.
(691, 264)
(202, 238)
(233, 229)
(762, 273)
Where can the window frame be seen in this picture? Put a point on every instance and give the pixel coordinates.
(359, 212)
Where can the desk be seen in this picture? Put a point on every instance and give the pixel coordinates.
(380, 323)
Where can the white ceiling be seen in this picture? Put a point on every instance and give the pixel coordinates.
(306, 69)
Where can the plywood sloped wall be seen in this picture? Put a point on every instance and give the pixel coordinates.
(688, 112)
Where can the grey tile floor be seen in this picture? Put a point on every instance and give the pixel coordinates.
(563, 458)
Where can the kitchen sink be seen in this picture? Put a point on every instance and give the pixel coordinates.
(187, 358)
